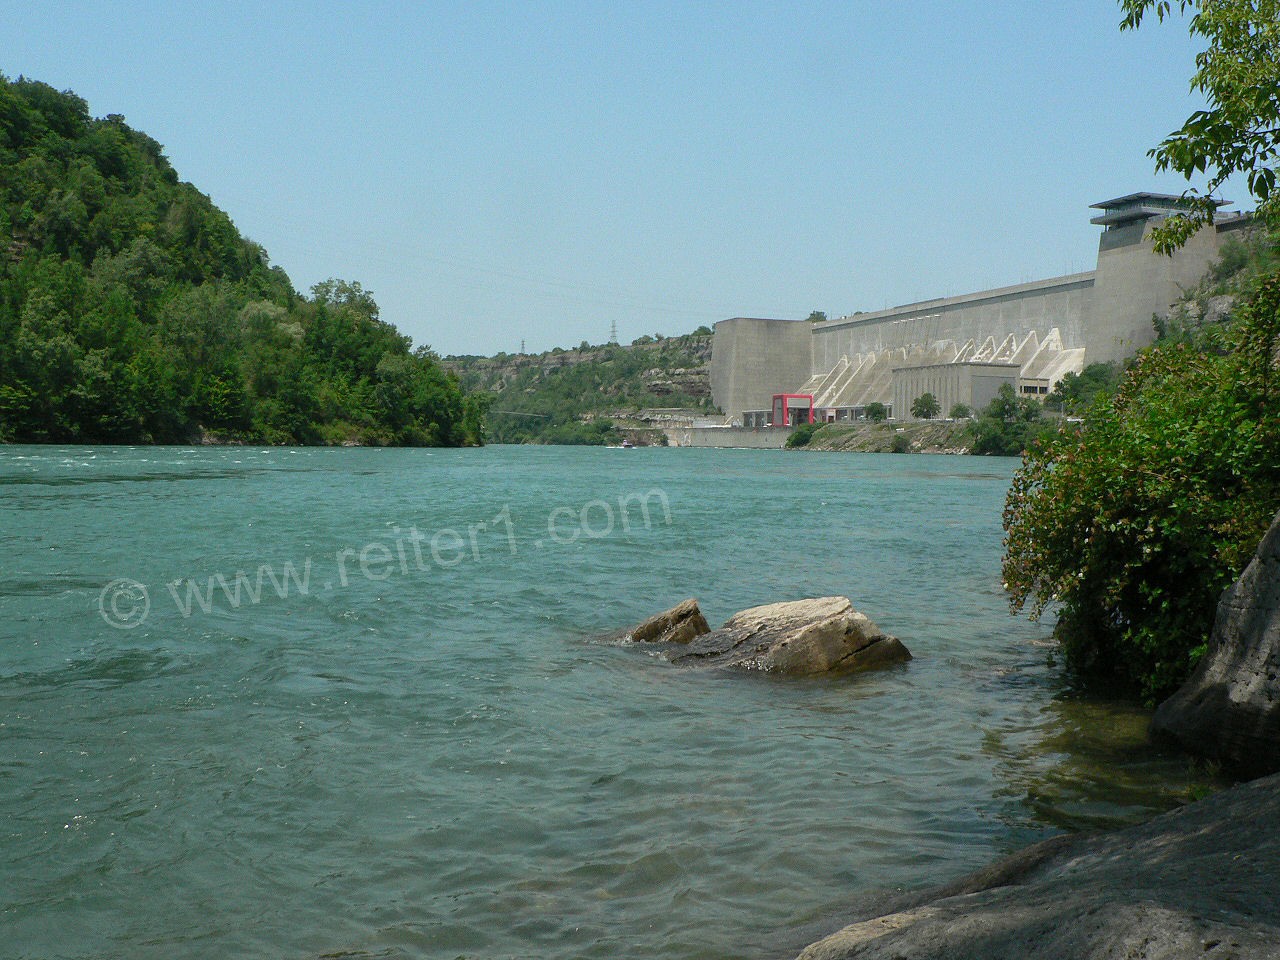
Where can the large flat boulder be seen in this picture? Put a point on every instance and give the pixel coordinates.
(1229, 710)
(801, 637)
(1196, 883)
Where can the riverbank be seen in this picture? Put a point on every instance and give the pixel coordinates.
(916, 436)
(1196, 882)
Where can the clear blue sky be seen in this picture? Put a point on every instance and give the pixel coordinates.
(503, 171)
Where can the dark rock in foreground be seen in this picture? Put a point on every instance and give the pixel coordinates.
(1199, 882)
(1229, 710)
(801, 637)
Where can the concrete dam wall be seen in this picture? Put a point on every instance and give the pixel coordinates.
(963, 348)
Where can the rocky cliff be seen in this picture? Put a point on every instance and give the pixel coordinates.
(1229, 711)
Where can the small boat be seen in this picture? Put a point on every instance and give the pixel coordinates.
(627, 445)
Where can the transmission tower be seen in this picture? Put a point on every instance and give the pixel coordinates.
(613, 332)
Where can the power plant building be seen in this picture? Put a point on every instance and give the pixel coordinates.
(962, 349)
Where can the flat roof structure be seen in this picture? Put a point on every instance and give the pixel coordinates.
(1140, 206)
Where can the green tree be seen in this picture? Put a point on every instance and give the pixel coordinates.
(1076, 391)
(877, 412)
(131, 309)
(925, 407)
(475, 407)
(1007, 425)
(1238, 74)
(817, 316)
(960, 411)
(1134, 526)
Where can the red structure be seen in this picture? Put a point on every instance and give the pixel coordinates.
(789, 413)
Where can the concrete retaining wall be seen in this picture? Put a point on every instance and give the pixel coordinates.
(763, 438)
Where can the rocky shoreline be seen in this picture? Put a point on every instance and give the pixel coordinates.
(916, 436)
(1202, 881)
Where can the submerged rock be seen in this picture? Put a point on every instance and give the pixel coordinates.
(1229, 710)
(800, 637)
(680, 624)
(1199, 882)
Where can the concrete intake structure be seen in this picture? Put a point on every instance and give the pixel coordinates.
(961, 349)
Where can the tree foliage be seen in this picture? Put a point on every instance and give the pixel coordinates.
(1238, 74)
(1134, 526)
(877, 412)
(925, 407)
(132, 310)
(1008, 425)
(1076, 391)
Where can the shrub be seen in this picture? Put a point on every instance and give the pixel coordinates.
(802, 434)
(1008, 425)
(1134, 526)
(1076, 391)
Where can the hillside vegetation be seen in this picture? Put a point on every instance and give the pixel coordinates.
(132, 310)
(578, 395)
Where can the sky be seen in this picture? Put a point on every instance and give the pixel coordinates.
(500, 174)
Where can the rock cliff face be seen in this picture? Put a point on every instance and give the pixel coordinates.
(799, 638)
(1198, 882)
(1229, 710)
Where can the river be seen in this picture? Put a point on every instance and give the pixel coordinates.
(309, 702)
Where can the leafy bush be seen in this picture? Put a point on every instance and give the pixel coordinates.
(877, 412)
(1008, 425)
(960, 411)
(1135, 525)
(900, 444)
(1076, 391)
(802, 434)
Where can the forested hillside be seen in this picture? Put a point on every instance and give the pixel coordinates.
(132, 310)
(572, 396)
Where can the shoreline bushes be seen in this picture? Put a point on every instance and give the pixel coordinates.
(1132, 527)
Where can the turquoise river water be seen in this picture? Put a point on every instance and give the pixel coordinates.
(321, 702)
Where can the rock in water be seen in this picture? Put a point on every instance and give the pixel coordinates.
(802, 637)
(1229, 710)
(680, 624)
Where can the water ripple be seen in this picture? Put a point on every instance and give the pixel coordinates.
(439, 762)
